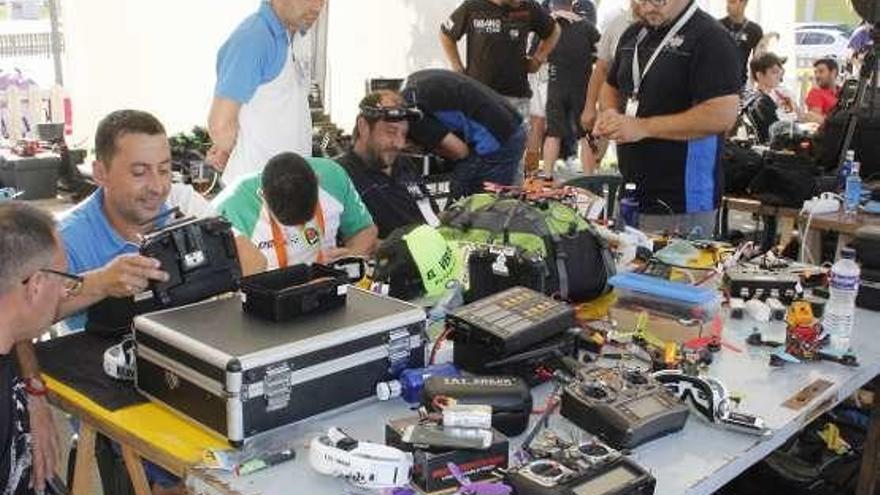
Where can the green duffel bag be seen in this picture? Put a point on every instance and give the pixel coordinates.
(574, 260)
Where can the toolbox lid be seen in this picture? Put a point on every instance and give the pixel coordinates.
(219, 330)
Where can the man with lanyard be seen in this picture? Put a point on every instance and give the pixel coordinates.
(261, 105)
(745, 33)
(670, 95)
(468, 124)
(497, 32)
(605, 51)
(389, 183)
(295, 210)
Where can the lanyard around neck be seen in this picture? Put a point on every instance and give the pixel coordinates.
(637, 74)
(279, 240)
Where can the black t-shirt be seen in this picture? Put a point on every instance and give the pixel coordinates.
(391, 199)
(15, 457)
(700, 63)
(496, 41)
(453, 102)
(746, 35)
(571, 62)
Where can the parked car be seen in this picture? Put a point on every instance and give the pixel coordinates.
(843, 28)
(815, 43)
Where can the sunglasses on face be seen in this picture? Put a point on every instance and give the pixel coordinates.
(655, 3)
(72, 283)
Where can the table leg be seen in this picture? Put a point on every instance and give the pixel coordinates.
(769, 238)
(724, 220)
(814, 246)
(785, 228)
(84, 473)
(843, 240)
(135, 467)
(868, 469)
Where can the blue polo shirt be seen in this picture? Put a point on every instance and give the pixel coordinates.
(253, 55)
(90, 242)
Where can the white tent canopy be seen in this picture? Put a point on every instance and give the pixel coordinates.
(159, 55)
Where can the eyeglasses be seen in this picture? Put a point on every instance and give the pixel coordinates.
(655, 3)
(72, 283)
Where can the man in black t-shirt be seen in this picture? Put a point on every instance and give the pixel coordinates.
(33, 282)
(745, 33)
(388, 182)
(497, 32)
(570, 66)
(669, 127)
(467, 123)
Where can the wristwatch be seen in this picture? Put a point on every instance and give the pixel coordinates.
(35, 386)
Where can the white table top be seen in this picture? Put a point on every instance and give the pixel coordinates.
(697, 460)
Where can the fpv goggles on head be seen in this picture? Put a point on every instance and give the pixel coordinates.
(390, 114)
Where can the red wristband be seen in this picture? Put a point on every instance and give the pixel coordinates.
(35, 387)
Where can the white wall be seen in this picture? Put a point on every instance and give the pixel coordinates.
(379, 38)
(155, 55)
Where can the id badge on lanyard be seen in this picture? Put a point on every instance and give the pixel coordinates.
(632, 106)
(638, 75)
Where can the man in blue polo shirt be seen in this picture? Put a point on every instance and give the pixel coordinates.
(101, 235)
(261, 98)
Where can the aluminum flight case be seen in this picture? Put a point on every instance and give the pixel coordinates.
(240, 375)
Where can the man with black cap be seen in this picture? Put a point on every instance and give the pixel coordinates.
(387, 181)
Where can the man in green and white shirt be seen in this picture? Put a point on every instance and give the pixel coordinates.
(299, 210)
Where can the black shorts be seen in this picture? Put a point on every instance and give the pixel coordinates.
(564, 108)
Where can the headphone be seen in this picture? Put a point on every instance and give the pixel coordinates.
(370, 465)
(119, 360)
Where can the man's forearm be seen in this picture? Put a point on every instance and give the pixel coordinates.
(27, 359)
(547, 45)
(450, 49)
(609, 97)
(711, 117)
(364, 242)
(223, 124)
(594, 85)
(814, 115)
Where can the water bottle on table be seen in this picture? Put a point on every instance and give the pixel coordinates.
(853, 195)
(840, 310)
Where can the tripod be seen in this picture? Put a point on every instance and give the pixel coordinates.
(867, 78)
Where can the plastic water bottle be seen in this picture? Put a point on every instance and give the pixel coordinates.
(412, 381)
(840, 310)
(629, 206)
(853, 193)
(845, 169)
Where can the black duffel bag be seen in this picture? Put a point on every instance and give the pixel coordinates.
(785, 180)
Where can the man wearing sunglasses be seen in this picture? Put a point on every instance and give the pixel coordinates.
(388, 182)
(670, 95)
(33, 284)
